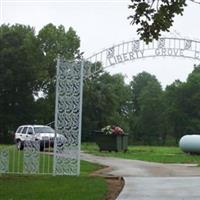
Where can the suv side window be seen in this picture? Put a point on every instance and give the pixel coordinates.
(19, 130)
(24, 130)
(30, 131)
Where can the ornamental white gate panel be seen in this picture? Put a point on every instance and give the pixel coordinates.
(68, 117)
(31, 157)
(4, 163)
(30, 160)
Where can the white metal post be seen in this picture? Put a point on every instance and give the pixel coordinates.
(56, 111)
(80, 115)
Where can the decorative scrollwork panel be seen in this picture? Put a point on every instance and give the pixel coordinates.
(110, 52)
(31, 157)
(4, 160)
(68, 117)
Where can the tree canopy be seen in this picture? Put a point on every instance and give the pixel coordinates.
(153, 17)
(20, 57)
(146, 118)
(28, 66)
(106, 101)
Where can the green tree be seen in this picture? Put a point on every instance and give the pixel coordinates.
(19, 75)
(182, 103)
(54, 41)
(106, 101)
(192, 92)
(154, 16)
(175, 99)
(147, 112)
(28, 64)
(138, 83)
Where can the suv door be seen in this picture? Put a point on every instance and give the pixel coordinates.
(30, 134)
(23, 133)
(18, 133)
(20, 137)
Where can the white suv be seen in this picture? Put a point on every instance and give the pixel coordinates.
(44, 134)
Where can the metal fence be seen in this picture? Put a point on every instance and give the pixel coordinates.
(58, 153)
(31, 159)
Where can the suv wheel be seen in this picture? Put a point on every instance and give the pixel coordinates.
(19, 145)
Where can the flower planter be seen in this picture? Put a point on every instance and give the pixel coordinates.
(111, 142)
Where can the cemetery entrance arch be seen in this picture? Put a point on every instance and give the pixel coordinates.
(117, 54)
(137, 49)
(70, 76)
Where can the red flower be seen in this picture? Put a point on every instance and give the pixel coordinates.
(117, 130)
(112, 130)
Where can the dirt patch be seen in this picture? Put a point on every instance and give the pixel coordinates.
(115, 186)
(115, 183)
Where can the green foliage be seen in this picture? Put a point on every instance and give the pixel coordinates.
(106, 101)
(28, 65)
(19, 75)
(176, 117)
(155, 16)
(182, 105)
(147, 110)
(158, 114)
(54, 41)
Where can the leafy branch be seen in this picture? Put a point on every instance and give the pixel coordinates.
(154, 16)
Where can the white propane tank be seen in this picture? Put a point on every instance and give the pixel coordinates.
(190, 143)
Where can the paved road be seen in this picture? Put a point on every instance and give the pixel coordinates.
(152, 181)
(161, 188)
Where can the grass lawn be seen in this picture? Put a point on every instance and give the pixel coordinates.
(52, 188)
(147, 153)
(42, 187)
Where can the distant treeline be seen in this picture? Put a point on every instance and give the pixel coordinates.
(142, 108)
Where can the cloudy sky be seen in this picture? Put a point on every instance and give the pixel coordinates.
(101, 24)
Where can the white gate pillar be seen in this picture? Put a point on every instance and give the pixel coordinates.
(68, 114)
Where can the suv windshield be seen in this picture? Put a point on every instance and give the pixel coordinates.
(43, 130)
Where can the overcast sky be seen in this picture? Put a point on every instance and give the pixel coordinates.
(101, 24)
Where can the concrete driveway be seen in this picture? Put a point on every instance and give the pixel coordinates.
(152, 181)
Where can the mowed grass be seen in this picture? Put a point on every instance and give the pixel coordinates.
(42, 187)
(52, 188)
(147, 153)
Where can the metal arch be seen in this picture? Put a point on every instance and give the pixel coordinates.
(137, 49)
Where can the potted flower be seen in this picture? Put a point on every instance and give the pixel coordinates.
(112, 138)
